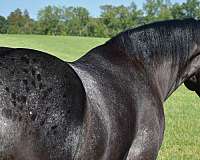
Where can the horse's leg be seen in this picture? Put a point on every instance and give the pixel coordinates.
(149, 133)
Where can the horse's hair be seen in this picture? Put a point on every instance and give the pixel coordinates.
(164, 38)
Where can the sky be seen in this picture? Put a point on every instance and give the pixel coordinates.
(7, 6)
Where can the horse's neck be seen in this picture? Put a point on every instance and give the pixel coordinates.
(167, 78)
(165, 55)
(164, 73)
(171, 74)
(106, 64)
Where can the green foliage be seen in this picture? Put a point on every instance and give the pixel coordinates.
(114, 18)
(3, 25)
(76, 21)
(49, 20)
(189, 9)
(28, 27)
(95, 28)
(157, 10)
(177, 11)
(119, 18)
(19, 22)
(15, 22)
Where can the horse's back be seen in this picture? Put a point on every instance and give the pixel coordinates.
(41, 106)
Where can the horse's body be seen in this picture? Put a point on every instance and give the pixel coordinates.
(108, 105)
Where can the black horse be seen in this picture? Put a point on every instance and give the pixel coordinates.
(108, 105)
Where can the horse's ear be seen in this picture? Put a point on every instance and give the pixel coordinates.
(191, 83)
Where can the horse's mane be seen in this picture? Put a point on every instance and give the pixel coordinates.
(173, 23)
(159, 38)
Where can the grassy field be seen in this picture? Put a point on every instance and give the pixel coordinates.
(182, 110)
(65, 47)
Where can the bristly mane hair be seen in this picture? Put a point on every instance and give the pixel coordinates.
(173, 39)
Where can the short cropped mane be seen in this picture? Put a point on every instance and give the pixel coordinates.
(159, 24)
(160, 38)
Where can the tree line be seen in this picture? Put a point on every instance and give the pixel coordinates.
(77, 21)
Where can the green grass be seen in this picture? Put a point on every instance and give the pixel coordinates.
(182, 133)
(182, 110)
(65, 47)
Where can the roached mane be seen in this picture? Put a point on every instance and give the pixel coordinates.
(164, 38)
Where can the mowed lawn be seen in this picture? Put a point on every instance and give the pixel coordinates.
(65, 47)
(182, 110)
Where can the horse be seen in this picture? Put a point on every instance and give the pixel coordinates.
(107, 105)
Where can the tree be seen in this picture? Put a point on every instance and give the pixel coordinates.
(119, 18)
(191, 9)
(136, 15)
(165, 11)
(49, 19)
(157, 10)
(15, 21)
(109, 19)
(3, 25)
(177, 11)
(28, 23)
(95, 28)
(19, 22)
(76, 20)
(115, 18)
